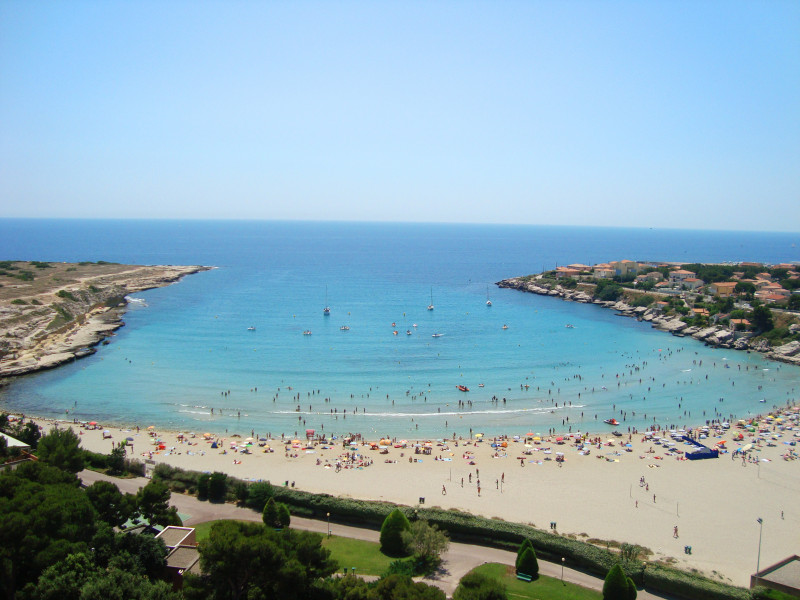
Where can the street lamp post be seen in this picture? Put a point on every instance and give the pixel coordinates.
(329, 524)
(644, 568)
(562, 568)
(760, 522)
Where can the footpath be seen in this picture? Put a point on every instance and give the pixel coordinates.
(459, 560)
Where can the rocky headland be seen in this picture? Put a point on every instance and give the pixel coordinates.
(717, 336)
(53, 313)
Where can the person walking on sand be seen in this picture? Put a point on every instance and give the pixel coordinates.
(444, 490)
(675, 532)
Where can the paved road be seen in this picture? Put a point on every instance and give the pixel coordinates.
(456, 562)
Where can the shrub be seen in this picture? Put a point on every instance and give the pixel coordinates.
(217, 487)
(616, 585)
(258, 494)
(270, 514)
(526, 543)
(284, 517)
(475, 586)
(392, 533)
(202, 486)
(527, 563)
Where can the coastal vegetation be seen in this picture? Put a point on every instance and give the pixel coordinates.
(597, 558)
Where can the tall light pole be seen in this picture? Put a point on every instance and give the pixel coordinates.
(760, 522)
(329, 524)
(562, 568)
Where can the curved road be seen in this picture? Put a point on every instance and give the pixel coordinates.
(456, 562)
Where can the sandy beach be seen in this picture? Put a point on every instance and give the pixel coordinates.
(600, 490)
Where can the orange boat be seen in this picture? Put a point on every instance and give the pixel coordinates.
(462, 388)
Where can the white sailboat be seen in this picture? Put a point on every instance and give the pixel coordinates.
(430, 306)
(327, 310)
(488, 302)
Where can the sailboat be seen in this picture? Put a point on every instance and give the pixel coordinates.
(327, 310)
(488, 302)
(430, 306)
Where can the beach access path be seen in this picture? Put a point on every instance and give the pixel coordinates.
(459, 560)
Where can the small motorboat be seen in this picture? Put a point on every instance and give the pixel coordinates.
(251, 328)
(480, 385)
(505, 326)
(569, 326)
(408, 332)
(344, 328)
(437, 334)
(307, 332)
(610, 421)
(462, 388)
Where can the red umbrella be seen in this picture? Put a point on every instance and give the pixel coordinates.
(92, 422)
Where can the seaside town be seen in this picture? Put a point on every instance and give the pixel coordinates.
(745, 305)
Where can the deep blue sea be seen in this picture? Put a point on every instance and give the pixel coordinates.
(189, 349)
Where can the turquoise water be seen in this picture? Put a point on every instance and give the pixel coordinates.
(180, 355)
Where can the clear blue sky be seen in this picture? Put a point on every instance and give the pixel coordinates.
(666, 113)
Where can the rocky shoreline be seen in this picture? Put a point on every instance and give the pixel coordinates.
(47, 327)
(716, 336)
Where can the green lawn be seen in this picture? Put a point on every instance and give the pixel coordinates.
(366, 557)
(544, 588)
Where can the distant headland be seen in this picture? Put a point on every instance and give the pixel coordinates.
(744, 306)
(52, 313)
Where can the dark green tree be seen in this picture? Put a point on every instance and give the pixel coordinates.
(116, 460)
(528, 564)
(616, 584)
(402, 587)
(152, 502)
(217, 487)
(761, 319)
(392, 530)
(240, 492)
(248, 560)
(526, 543)
(270, 514)
(632, 592)
(121, 584)
(284, 516)
(27, 433)
(202, 486)
(44, 517)
(475, 586)
(258, 494)
(64, 580)
(61, 448)
(112, 506)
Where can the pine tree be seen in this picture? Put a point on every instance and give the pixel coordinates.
(392, 533)
(616, 584)
(284, 517)
(526, 543)
(270, 514)
(527, 563)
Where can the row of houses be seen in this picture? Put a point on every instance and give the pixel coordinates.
(767, 290)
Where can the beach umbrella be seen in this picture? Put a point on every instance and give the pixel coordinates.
(478, 435)
(130, 439)
(152, 427)
(92, 422)
(248, 439)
